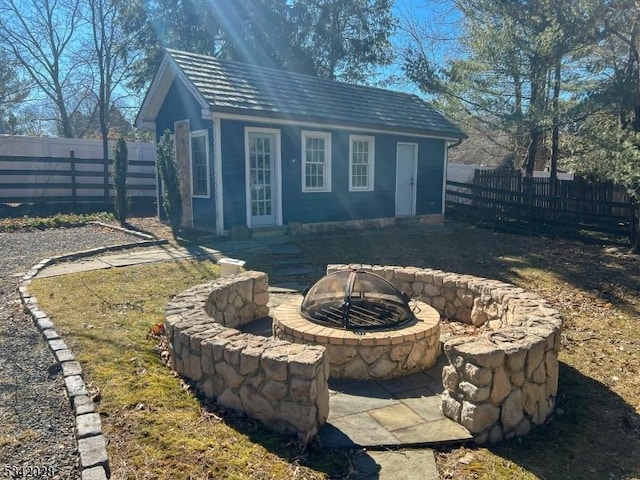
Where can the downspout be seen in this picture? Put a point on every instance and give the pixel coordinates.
(444, 179)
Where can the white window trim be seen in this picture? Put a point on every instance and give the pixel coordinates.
(326, 136)
(372, 162)
(205, 134)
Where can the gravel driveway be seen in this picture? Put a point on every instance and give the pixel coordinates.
(36, 422)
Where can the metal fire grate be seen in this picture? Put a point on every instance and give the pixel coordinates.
(356, 300)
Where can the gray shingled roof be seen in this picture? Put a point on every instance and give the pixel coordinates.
(233, 87)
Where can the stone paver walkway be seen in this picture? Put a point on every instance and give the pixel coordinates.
(392, 413)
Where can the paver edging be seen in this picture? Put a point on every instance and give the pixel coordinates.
(91, 443)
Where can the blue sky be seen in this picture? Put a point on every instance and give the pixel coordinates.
(435, 22)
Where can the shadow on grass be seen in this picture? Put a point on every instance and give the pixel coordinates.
(594, 434)
(335, 463)
(465, 249)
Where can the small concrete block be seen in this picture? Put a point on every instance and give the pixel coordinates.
(50, 334)
(81, 401)
(71, 368)
(75, 386)
(43, 323)
(94, 473)
(64, 355)
(83, 409)
(88, 425)
(36, 313)
(93, 452)
(57, 344)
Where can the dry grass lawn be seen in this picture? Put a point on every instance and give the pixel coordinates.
(158, 430)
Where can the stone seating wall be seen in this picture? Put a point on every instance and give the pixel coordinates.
(504, 380)
(283, 385)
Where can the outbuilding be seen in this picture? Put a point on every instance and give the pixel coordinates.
(262, 148)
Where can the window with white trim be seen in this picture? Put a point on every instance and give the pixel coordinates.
(361, 163)
(199, 163)
(316, 161)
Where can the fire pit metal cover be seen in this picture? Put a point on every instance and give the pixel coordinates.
(356, 300)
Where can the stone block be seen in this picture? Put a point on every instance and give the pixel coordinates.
(517, 379)
(430, 290)
(531, 394)
(477, 375)
(229, 376)
(302, 417)
(371, 354)
(383, 368)
(417, 353)
(71, 368)
(211, 387)
(93, 452)
(305, 364)
(274, 362)
(261, 299)
(274, 391)
(515, 360)
(88, 425)
(339, 355)
(250, 360)
(44, 323)
(540, 374)
(478, 418)
(322, 401)
(50, 334)
(247, 312)
(480, 351)
(303, 390)
(512, 413)
(473, 393)
(399, 352)
(207, 363)
(450, 378)
(551, 364)
(75, 386)
(94, 473)
(355, 369)
(451, 408)
(255, 404)
(245, 290)
(501, 386)
(535, 356)
(230, 400)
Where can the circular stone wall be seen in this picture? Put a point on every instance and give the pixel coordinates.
(366, 355)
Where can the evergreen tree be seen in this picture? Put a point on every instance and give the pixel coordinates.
(171, 189)
(342, 39)
(120, 167)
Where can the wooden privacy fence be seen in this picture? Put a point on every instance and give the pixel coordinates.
(51, 170)
(509, 197)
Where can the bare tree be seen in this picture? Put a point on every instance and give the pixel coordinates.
(111, 59)
(39, 35)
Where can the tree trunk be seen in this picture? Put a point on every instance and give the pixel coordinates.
(555, 135)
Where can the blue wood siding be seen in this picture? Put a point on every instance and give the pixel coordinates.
(431, 154)
(340, 204)
(179, 104)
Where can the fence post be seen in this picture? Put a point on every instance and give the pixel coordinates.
(72, 155)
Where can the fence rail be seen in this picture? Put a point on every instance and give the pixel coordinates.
(510, 197)
(41, 172)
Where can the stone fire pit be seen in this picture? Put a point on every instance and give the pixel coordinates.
(500, 383)
(366, 355)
